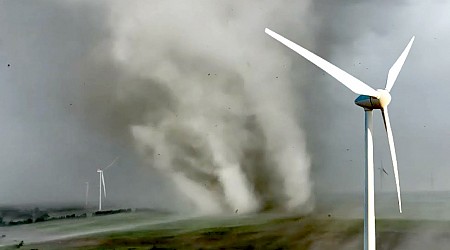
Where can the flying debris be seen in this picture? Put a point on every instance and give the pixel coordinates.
(382, 171)
(369, 99)
(20, 244)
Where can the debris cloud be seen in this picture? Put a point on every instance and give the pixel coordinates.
(214, 95)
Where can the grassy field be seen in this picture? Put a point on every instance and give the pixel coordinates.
(262, 232)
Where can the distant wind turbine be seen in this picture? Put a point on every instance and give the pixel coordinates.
(432, 179)
(102, 183)
(369, 99)
(87, 194)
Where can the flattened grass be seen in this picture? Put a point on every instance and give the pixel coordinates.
(276, 233)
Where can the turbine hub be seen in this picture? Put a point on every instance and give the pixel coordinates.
(385, 98)
(372, 102)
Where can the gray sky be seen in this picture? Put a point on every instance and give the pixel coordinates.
(369, 38)
(61, 121)
(52, 143)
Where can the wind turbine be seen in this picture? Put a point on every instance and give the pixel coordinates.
(87, 194)
(102, 183)
(432, 179)
(369, 99)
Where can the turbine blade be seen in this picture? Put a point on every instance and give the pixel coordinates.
(395, 69)
(104, 187)
(112, 163)
(348, 80)
(387, 126)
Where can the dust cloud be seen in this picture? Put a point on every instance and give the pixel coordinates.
(217, 116)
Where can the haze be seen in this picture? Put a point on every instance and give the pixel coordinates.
(87, 82)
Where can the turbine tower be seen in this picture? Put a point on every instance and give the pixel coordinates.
(369, 99)
(102, 183)
(87, 195)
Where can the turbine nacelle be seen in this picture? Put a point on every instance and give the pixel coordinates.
(372, 102)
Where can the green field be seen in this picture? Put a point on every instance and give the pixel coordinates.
(262, 231)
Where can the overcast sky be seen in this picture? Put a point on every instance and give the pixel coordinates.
(60, 122)
(369, 38)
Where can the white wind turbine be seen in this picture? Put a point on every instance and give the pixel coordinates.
(86, 195)
(102, 183)
(369, 99)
